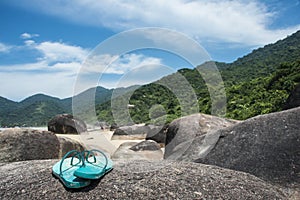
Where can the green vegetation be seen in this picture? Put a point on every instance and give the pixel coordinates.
(38, 109)
(258, 83)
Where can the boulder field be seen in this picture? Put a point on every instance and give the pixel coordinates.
(206, 157)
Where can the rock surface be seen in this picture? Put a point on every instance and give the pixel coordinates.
(293, 100)
(136, 132)
(147, 145)
(27, 144)
(68, 144)
(137, 180)
(266, 146)
(183, 131)
(157, 133)
(66, 124)
(124, 152)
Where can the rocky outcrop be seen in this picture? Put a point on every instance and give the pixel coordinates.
(136, 132)
(147, 145)
(182, 132)
(66, 124)
(67, 144)
(293, 100)
(157, 133)
(266, 146)
(137, 151)
(27, 144)
(137, 180)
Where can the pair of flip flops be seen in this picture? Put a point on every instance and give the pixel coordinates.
(77, 169)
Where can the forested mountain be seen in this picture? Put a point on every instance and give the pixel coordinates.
(257, 83)
(6, 105)
(38, 109)
(35, 110)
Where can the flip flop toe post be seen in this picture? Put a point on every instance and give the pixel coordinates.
(94, 167)
(65, 168)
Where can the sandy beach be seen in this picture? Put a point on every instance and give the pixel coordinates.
(98, 139)
(95, 139)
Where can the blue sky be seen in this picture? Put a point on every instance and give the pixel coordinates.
(43, 44)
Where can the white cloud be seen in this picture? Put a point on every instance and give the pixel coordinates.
(55, 72)
(22, 80)
(26, 36)
(113, 64)
(4, 48)
(29, 42)
(56, 56)
(238, 21)
(60, 52)
(19, 85)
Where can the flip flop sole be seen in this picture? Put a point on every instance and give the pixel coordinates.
(94, 170)
(67, 176)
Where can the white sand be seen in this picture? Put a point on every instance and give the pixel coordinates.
(98, 139)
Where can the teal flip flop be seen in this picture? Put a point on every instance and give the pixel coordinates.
(65, 168)
(93, 167)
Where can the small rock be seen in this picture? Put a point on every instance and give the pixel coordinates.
(148, 145)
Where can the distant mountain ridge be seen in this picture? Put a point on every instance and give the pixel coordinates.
(38, 109)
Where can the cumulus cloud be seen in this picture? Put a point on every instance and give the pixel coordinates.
(55, 56)
(29, 42)
(115, 64)
(61, 52)
(239, 21)
(26, 36)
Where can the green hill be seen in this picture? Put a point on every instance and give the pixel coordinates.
(35, 110)
(38, 109)
(257, 83)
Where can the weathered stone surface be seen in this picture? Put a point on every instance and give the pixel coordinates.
(266, 146)
(293, 100)
(134, 132)
(183, 131)
(137, 180)
(157, 133)
(27, 144)
(68, 144)
(66, 124)
(124, 152)
(147, 145)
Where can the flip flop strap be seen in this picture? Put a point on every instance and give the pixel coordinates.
(91, 152)
(76, 154)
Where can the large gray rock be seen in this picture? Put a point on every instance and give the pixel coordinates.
(137, 180)
(66, 124)
(136, 132)
(128, 151)
(67, 144)
(293, 100)
(27, 144)
(182, 132)
(157, 133)
(266, 146)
